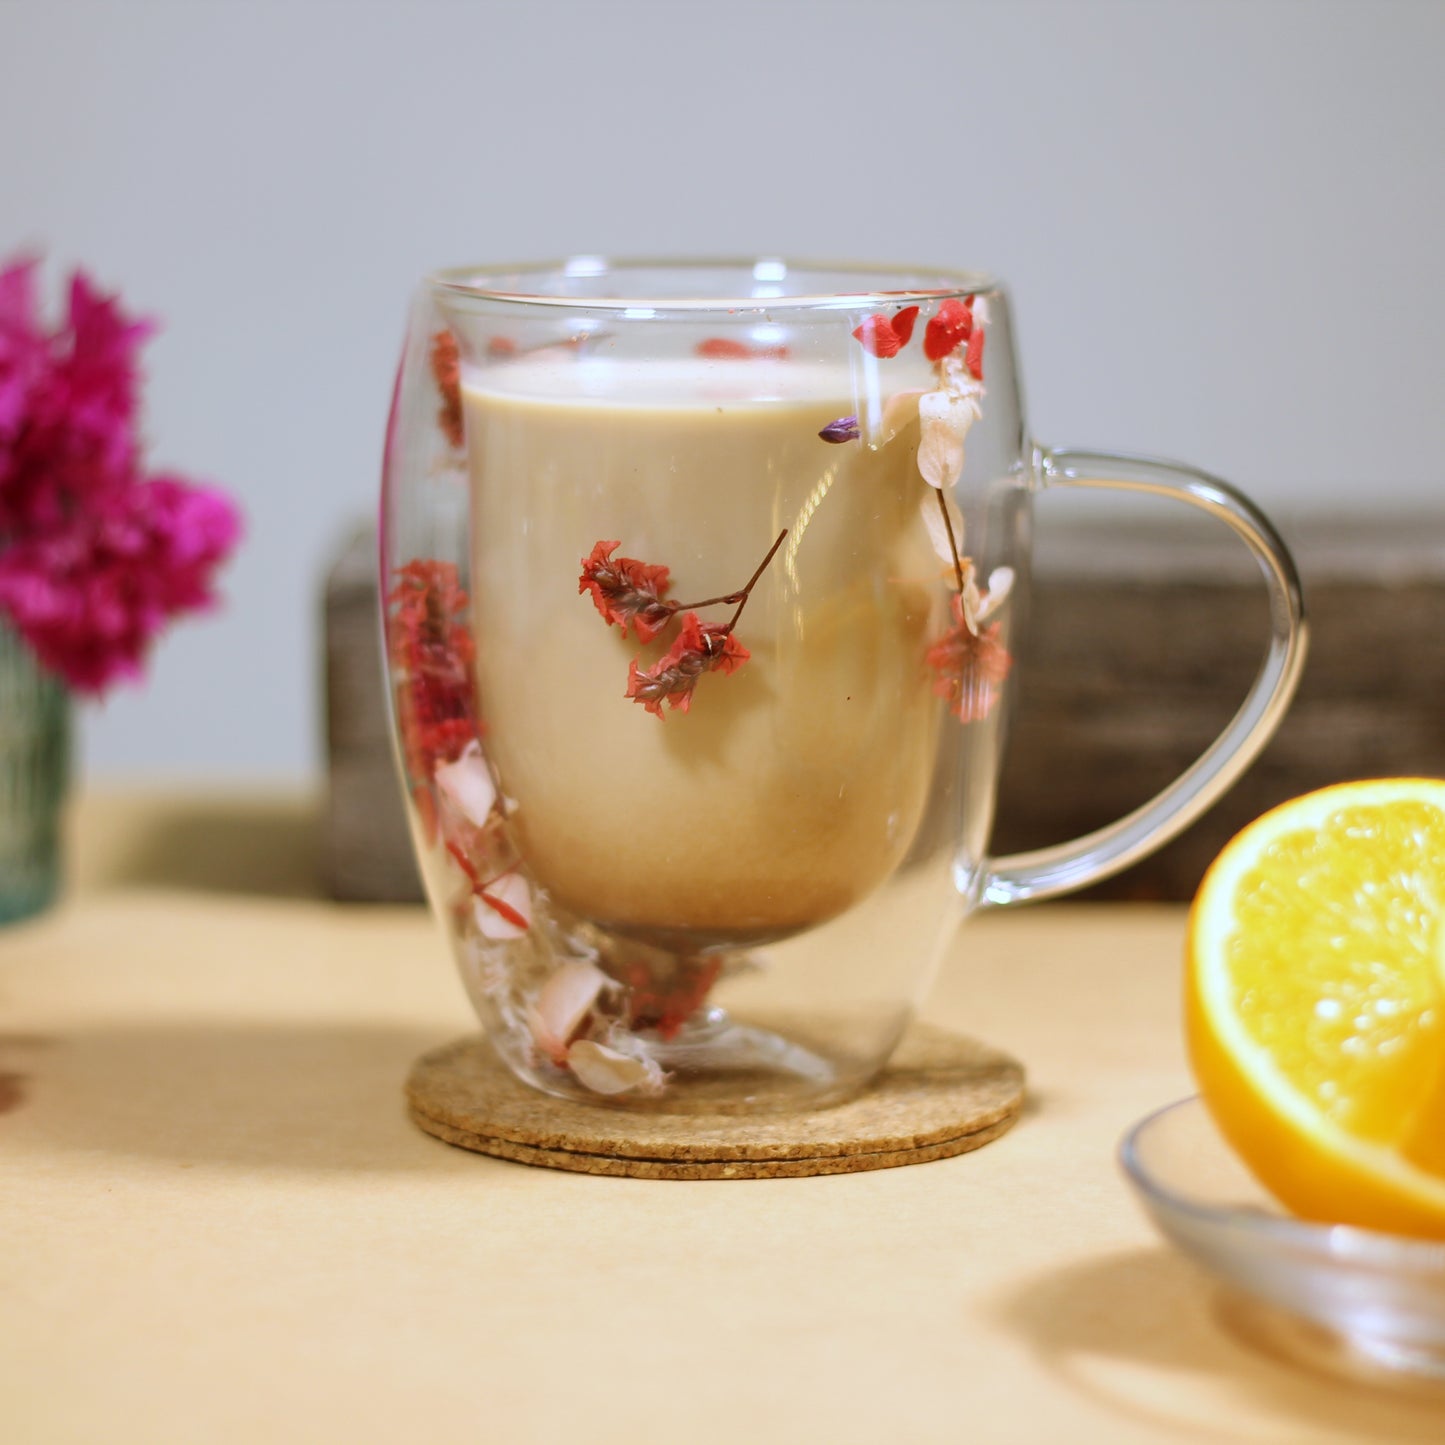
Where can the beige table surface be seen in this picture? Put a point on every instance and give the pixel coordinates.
(219, 1226)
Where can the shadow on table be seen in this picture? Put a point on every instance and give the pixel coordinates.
(253, 1095)
(1145, 1333)
(269, 846)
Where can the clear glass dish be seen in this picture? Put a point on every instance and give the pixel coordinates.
(1347, 1297)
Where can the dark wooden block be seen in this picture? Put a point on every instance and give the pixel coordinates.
(1140, 643)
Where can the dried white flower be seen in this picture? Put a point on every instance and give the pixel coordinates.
(467, 785)
(971, 599)
(979, 606)
(937, 531)
(512, 892)
(1000, 584)
(944, 419)
(957, 378)
(898, 411)
(562, 1003)
(609, 1071)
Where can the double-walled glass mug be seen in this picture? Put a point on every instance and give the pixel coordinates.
(701, 589)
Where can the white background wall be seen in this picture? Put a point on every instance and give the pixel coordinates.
(1224, 225)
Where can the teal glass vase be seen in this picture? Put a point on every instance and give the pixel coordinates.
(34, 774)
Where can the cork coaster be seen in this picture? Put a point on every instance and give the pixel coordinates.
(941, 1095)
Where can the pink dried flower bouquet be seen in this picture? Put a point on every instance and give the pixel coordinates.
(96, 554)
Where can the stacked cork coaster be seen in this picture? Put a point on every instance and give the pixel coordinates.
(941, 1095)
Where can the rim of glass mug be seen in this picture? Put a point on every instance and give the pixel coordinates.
(762, 284)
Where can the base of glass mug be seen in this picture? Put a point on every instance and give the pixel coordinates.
(718, 1064)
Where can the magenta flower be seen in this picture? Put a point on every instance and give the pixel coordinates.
(96, 557)
(90, 597)
(23, 349)
(67, 402)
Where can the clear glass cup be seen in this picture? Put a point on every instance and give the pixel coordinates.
(703, 584)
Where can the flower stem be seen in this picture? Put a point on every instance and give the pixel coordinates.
(952, 540)
(739, 597)
(728, 597)
(753, 580)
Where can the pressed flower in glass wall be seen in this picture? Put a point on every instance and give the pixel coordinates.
(969, 661)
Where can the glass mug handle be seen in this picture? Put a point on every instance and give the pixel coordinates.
(1044, 872)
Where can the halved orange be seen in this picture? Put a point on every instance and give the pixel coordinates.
(1315, 1002)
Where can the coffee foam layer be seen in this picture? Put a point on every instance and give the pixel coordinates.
(656, 383)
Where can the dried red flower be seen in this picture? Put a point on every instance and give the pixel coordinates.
(700, 647)
(903, 324)
(950, 326)
(626, 591)
(877, 336)
(480, 889)
(885, 336)
(971, 666)
(973, 357)
(460, 858)
(504, 910)
(666, 1006)
(432, 651)
(725, 348)
(446, 369)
